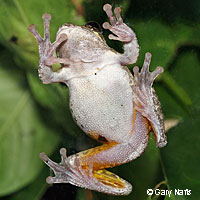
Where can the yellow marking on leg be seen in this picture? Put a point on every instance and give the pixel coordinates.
(97, 137)
(148, 125)
(86, 157)
(109, 178)
(146, 121)
(96, 150)
(93, 134)
(133, 121)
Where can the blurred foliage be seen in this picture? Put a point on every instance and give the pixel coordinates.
(36, 117)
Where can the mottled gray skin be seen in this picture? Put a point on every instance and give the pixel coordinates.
(107, 102)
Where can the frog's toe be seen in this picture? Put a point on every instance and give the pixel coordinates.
(51, 180)
(117, 12)
(108, 9)
(35, 33)
(145, 79)
(46, 16)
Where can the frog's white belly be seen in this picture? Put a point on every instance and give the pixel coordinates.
(103, 103)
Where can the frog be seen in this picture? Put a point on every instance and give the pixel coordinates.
(107, 101)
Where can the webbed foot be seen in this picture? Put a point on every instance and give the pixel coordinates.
(146, 100)
(46, 50)
(118, 27)
(69, 170)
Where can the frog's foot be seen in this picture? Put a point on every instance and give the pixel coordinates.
(146, 100)
(69, 170)
(122, 32)
(46, 49)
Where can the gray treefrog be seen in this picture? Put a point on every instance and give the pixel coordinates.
(106, 100)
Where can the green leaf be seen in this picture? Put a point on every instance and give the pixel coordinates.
(81, 194)
(33, 191)
(156, 38)
(180, 161)
(177, 90)
(17, 15)
(171, 197)
(180, 157)
(23, 134)
(187, 35)
(186, 71)
(171, 107)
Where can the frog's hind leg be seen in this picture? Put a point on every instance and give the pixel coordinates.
(87, 168)
(69, 170)
(146, 100)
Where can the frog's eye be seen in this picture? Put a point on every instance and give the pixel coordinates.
(94, 26)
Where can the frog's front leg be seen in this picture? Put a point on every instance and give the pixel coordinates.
(46, 54)
(122, 33)
(146, 101)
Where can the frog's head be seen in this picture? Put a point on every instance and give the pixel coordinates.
(85, 43)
